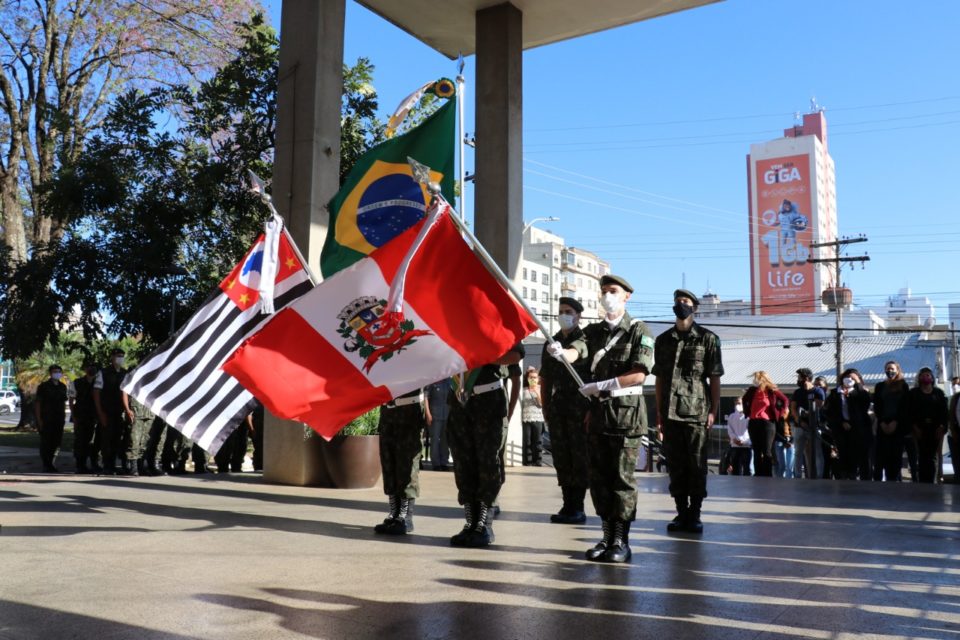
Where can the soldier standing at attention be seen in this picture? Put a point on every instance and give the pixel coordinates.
(401, 423)
(108, 399)
(688, 369)
(83, 414)
(476, 430)
(564, 410)
(50, 410)
(620, 353)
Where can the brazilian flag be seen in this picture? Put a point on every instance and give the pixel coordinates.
(380, 199)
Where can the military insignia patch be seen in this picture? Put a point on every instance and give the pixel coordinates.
(374, 333)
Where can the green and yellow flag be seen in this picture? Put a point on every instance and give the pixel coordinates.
(380, 198)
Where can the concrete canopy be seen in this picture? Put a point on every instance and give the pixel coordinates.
(449, 25)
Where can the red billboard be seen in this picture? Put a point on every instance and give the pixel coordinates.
(781, 229)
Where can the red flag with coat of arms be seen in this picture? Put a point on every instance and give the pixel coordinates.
(343, 349)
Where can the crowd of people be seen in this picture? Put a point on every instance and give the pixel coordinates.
(848, 432)
(589, 391)
(114, 434)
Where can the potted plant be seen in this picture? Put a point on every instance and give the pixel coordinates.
(352, 457)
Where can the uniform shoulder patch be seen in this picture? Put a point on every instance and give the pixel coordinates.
(646, 341)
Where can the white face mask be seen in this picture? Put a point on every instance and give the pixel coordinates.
(848, 382)
(611, 303)
(739, 408)
(56, 376)
(567, 321)
(956, 388)
(118, 361)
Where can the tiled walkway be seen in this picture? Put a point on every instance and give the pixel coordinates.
(230, 557)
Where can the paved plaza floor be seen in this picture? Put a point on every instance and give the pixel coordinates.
(231, 557)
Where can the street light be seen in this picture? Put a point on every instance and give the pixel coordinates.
(535, 220)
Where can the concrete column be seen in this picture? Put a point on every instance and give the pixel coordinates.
(305, 177)
(499, 155)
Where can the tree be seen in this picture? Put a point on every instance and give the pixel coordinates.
(62, 63)
(142, 201)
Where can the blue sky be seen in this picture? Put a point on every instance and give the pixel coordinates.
(636, 137)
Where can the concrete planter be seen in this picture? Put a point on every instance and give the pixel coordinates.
(352, 462)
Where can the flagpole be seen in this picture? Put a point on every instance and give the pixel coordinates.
(461, 137)
(498, 273)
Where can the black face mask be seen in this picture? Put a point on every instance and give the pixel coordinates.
(682, 311)
(891, 375)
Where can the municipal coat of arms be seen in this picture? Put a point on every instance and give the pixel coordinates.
(373, 332)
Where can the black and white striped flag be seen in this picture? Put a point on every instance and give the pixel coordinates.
(182, 381)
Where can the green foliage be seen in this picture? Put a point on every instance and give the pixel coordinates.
(366, 425)
(145, 203)
(360, 128)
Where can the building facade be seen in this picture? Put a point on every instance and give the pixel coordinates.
(550, 270)
(792, 196)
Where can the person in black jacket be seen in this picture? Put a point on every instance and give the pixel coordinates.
(847, 409)
(890, 408)
(928, 419)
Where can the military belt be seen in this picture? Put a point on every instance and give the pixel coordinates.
(636, 390)
(402, 402)
(483, 388)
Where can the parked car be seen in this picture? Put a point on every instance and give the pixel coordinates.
(9, 401)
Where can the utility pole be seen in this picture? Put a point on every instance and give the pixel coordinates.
(839, 303)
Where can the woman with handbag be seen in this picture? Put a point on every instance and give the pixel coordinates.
(764, 405)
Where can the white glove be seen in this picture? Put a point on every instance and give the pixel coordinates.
(608, 385)
(555, 349)
(589, 390)
(594, 388)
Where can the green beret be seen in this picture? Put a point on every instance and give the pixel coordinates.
(685, 293)
(609, 279)
(572, 303)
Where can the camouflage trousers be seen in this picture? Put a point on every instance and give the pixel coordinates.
(613, 486)
(685, 448)
(476, 434)
(401, 446)
(139, 434)
(568, 445)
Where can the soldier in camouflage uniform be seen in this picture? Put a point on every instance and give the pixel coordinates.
(564, 410)
(620, 353)
(476, 430)
(688, 369)
(141, 422)
(402, 421)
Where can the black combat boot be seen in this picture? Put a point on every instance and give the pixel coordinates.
(679, 523)
(619, 550)
(482, 534)
(82, 466)
(561, 516)
(694, 525)
(153, 469)
(129, 468)
(141, 467)
(572, 511)
(460, 539)
(405, 515)
(596, 552)
(389, 523)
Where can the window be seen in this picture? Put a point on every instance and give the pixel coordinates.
(524, 273)
(533, 294)
(545, 278)
(545, 297)
(524, 292)
(533, 275)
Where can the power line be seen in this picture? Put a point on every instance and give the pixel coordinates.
(742, 117)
